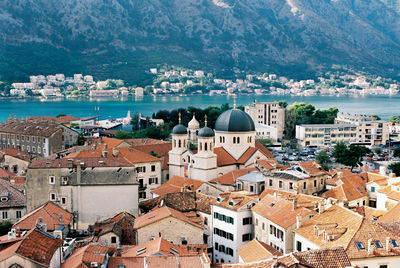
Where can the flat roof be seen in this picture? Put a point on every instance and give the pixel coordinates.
(329, 125)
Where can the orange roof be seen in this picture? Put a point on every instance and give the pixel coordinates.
(223, 157)
(256, 250)
(391, 216)
(313, 168)
(269, 164)
(159, 246)
(82, 257)
(230, 177)
(5, 174)
(246, 155)
(239, 198)
(105, 141)
(161, 149)
(16, 153)
(352, 187)
(136, 156)
(176, 184)
(339, 221)
(159, 214)
(66, 119)
(197, 261)
(280, 211)
(369, 212)
(51, 214)
(264, 150)
(36, 246)
(394, 195)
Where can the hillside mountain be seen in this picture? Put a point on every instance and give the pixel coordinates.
(124, 37)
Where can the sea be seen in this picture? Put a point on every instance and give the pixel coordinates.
(105, 108)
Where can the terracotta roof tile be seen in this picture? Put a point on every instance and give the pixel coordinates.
(159, 214)
(199, 261)
(158, 246)
(161, 149)
(239, 198)
(313, 168)
(66, 119)
(394, 195)
(280, 211)
(36, 246)
(392, 215)
(269, 164)
(256, 250)
(5, 174)
(335, 218)
(30, 127)
(335, 257)
(264, 150)
(82, 257)
(369, 213)
(50, 214)
(88, 162)
(15, 153)
(15, 198)
(223, 157)
(176, 184)
(230, 177)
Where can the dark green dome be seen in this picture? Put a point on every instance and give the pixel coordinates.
(234, 120)
(206, 132)
(179, 130)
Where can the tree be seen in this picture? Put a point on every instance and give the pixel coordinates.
(379, 150)
(5, 227)
(395, 119)
(350, 156)
(396, 152)
(301, 112)
(60, 115)
(323, 159)
(395, 167)
(376, 117)
(283, 103)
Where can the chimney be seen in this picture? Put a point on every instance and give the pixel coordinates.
(294, 201)
(382, 170)
(119, 251)
(370, 249)
(298, 222)
(274, 194)
(388, 244)
(321, 208)
(340, 174)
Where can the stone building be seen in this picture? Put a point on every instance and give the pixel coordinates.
(87, 187)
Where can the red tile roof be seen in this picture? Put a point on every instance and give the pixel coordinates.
(159, 214)
(158, 246)
(82, 257)
(176, 184)
(352, 187)
(226, 159)
(269, 164)
(30, 127)
(392, 215)
(66, 119)
(230, 177)
(50, 214)
(313, 168)
(36, 246)
(264, 150)
(88, 162)
(198, 261)
(15, 153)
(16, 199)
(5, 174)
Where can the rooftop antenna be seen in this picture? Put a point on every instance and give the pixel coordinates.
(179, 117)
(205, 120)
(234, 101)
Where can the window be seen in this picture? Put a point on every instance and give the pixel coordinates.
(270, 182)
(395, 244)
(372, 189)
(298, 246)
(52, 179)
(246, 237)
(52, 197)
(251, 188)
(63, 200)
(153, 168)
(263, 226)
(18, 214)
(216, 246)
(360, 246)
(5, 215)
(378, 244)
(256, 222)
(238, 139)
(383, 266)
(229, 251)
(315, 183)
(142, 194)
(280, 184)
(305, 185)
(234, 140)
(291, 185)
(247, 221)
(113, 240)
(221, 248)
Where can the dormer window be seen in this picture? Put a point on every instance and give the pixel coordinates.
(395, 244)
(218, 199)
(231, 203)
(378, 244)
(360, 246)
(4, 199)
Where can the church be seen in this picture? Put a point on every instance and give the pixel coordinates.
(230, 146)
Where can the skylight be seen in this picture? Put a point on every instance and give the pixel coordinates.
(378, 244)
(360, 245)
(394, 243)
(350, 193)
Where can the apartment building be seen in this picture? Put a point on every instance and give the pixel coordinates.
(232, 224)
(325, 135)
(369, 130)
(268, 113)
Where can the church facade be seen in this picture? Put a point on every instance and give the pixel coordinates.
(230, 146)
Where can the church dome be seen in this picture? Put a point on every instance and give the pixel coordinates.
(206, 132)
(179, 130)
(234, 120)
(194, 124)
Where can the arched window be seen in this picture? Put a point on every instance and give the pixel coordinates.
(205, 146)
(210, 145)
(201, 146)
(234, 140)
(238, 140)
(179, 144)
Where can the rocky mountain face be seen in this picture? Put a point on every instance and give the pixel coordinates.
(89, 35)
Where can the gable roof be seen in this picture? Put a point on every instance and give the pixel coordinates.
(230, 177)
(51, 215)
(256, 250)
(161, 213)
(313, 168)
(264, 150)
(15, 153)
(30, 127)
(36, 246)
(15, 198)
(158, 246)
(176, 184)
(269, 164)
(239, 198)
(82, 257)
(280, 211)
(352, 187)
(392, 215)
(336, 220)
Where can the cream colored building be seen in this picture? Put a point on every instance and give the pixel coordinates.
(268, 113)
(324, 135)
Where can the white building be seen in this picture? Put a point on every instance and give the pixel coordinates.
(266, 132)
(232, 224)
